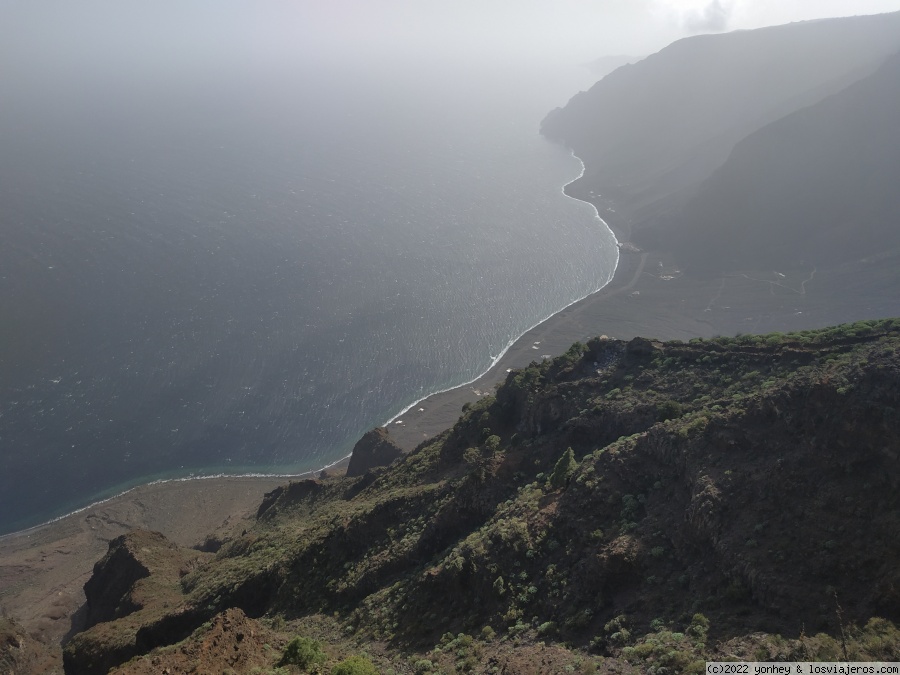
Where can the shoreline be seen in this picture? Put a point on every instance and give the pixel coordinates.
(312, 472)
(43, 568)
(512, 342)
(650, 296)
(407, 436)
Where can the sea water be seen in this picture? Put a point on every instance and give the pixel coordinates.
(244, 274)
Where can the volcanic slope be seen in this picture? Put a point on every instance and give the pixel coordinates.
(627, 505)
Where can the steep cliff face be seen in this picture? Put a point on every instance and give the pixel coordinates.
(133, 602)
(650, 132)
(713, 490)
(775, 477)
(230, 643)
(818, 185)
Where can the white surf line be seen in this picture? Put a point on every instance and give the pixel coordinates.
(773, 284)
(513, 341)
(806, 281)
(405, 410)
(716, 296)
(494, 362)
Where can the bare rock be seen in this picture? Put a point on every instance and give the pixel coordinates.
(374, 449)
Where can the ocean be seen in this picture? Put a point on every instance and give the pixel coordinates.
(244, 272)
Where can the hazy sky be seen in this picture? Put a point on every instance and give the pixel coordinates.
(563, 30)
(175, 33)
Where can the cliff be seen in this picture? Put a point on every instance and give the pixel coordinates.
(20, 652)
(650, 133)
(130, 601)
(818, 185)
(627, 505)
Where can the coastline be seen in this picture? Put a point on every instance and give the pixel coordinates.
(344, 460)
(650, 296)
(512, 342)
(439, 410)
(42, 569)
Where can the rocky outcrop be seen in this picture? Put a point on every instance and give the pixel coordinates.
(373, 450)
(288, 494)
(134, 602)
(232, 643)
(108, 591)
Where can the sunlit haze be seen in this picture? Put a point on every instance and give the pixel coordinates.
(566, 31)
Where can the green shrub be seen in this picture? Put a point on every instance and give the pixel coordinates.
(669, 410)
(698, 628)
(546, 628)
(303, 652)
(355, 665)
(565, 467)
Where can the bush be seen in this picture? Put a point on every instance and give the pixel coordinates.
(355, 665)
(698, 628)
(303, 652)
(669, 410)
(565, 467)
(547, 628)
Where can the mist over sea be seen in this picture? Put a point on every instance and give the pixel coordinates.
(245, 271)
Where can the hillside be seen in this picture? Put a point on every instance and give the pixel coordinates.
(818, 185)
(651, 132)
(627, 505)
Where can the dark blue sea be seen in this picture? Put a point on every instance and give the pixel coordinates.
(245, 271)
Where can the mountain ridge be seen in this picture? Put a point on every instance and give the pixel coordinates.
(651, 131)
(711, 490)
(815, 185)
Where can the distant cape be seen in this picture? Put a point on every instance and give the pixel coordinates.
(748, 148)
